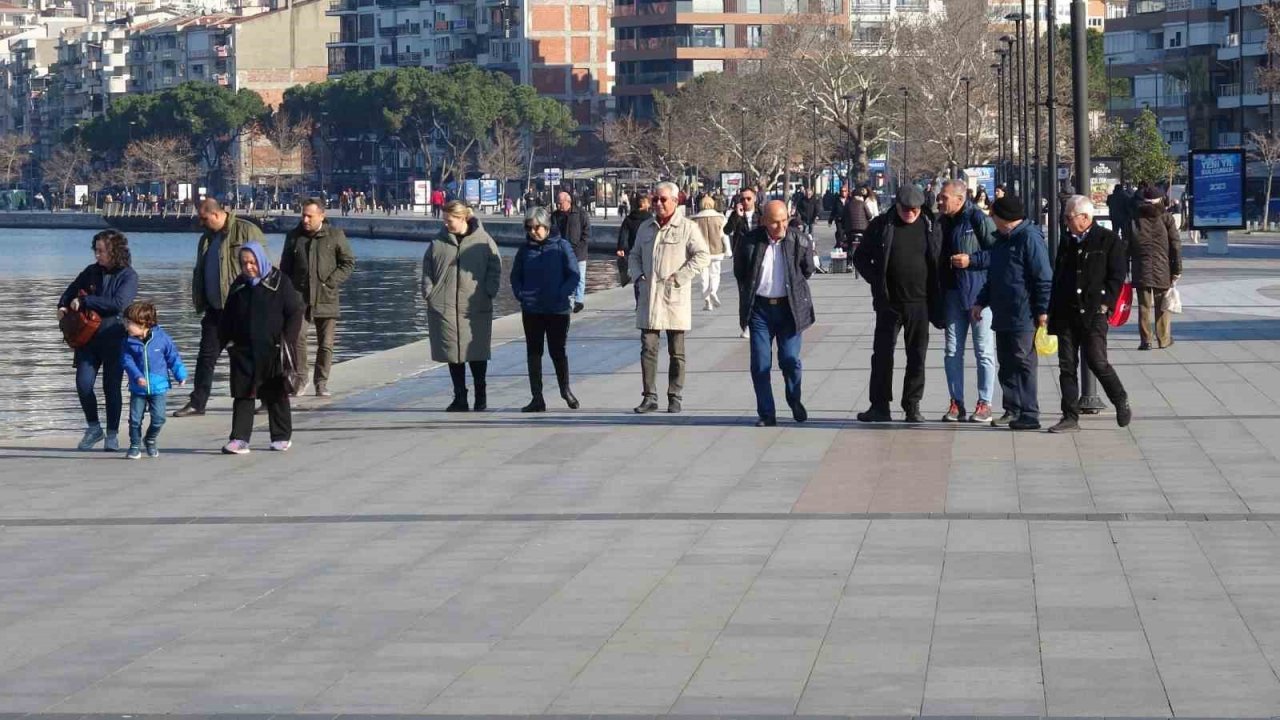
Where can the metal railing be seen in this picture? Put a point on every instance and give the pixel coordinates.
(667, 42)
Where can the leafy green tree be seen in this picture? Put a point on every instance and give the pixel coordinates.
(1143, 150)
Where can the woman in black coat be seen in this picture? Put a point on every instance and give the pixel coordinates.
(260, 325)
(106, 287)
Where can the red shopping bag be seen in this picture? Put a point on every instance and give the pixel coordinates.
(1124, 303)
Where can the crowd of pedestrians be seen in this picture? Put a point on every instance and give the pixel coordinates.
(978, 271)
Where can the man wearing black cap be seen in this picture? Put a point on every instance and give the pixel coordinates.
(899, 260)
(1017, 290)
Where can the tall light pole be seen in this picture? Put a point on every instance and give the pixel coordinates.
(1090, 403)
(742, 141)
(1051, 108)
(905, 173)
(967, 113)
(1035, 150)
(1010, 107)
(999, 68)
(848, 123)
(1020, 25)
(813, 182)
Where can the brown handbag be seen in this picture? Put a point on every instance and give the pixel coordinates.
(79, 327)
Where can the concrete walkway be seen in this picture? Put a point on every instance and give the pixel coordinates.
(401, 560)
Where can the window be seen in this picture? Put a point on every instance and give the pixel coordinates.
(1175, 40)
(706, 36)
(750, 6)
(755, 36)
(1177, 136)
(197, 70)
(1155, 41)
(708, 6)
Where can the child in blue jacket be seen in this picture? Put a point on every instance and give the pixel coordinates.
(149, 357)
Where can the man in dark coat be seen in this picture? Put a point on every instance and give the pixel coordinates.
(1118, 208)
(627, 235)
(317, 258)
(572, 224)
(1087, 276)
(807, 210)
(744, 218)
(775, 264)
(899, 260)
(1017, 291)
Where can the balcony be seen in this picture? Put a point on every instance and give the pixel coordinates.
(871, 7)
(342, 7)
(339, 39)
(1143, 7)
(1228, 139)
(464, 24)
(654, 78)
(666, 43)
(1235, 46)
(397, 3)
(400, 30)
(912, 5)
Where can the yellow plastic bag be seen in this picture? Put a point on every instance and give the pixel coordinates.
(1046, 344)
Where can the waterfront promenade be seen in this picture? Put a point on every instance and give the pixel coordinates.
(403, 561)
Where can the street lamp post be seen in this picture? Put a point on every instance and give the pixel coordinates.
(1006, 124)
(906, 175)
(1035, 150)
(967, 113)
(1011, 110)
(813, 182)
(999, 68)
(1051, 105)
(1020, 39)
(742, 141)
(848, 135)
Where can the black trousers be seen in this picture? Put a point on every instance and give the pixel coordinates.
(913, 320)
(273, 395)
(206, 358)
(458, 373)
(1087, 337)
(552, 331)
(1016, 355)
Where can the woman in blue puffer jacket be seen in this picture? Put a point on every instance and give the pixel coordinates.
(543, 277)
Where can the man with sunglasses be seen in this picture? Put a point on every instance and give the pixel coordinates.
(744, 219)
(669, 253)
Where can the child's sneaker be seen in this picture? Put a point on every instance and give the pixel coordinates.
(92, 436)
(236, 447)
(134, 453)
(112, 443)
(152, 450)
(281, 445)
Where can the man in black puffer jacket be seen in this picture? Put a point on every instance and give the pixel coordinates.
(627, 234)
(572, 223)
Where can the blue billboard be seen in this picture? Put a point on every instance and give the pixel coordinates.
(488, 192)
(471, 192)
(983, 176)
(1217, 189)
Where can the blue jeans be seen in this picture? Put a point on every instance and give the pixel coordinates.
(984, 349)
(581, 294)
(770, 323)
(138, 404)
(103, 352)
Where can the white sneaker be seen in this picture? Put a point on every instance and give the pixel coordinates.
(706, 304)
(281, 445)
(745, 334)
(715, 300)
(236, 447)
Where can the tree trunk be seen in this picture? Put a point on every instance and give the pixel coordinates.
(1266, 207)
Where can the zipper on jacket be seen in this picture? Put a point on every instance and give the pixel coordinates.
(146, 362)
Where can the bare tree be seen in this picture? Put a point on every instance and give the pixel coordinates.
(14, 156)
(66, 166)
(502, 155)
(1265, 148)
(166, 160)
(287, 136)
(630, 143)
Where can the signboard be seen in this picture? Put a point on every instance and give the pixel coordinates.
(731, 182)
(1104, 173)
(421, 195)
(184, 192)
(82, 194)
(1064, 172)
(552, 176)
(471, 191)
(488, 191)
(983, 176)
(1217, 189)
(877, 165)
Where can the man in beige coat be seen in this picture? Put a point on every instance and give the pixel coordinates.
(669, 253)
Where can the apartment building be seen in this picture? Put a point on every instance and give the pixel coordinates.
(26, 59)
(1170, 54)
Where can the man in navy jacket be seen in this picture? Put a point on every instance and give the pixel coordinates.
(1017, 290)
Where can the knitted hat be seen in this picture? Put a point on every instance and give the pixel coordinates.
(1008, 208)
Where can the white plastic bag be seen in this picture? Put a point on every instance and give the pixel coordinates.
(1173, 300)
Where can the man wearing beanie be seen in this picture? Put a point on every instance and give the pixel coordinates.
(899, 260)
(1017, 291)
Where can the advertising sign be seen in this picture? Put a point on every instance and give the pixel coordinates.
(421, 195)
(731, 182)
(82, 194)
(1104, 173)
(184, 191)
(877, 165)
(983, 176)
(488, 192)
(1217, 189)
(552, 176)
(471, 191)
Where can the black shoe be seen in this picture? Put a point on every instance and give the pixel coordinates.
(577, 307)
(913, 415)
(569, 398)
(1144, 346)
(646, 406)
(535, 405)
(188, 410)
(673, 405)
(875, 415)
(1066, 425)
(1123, 414)
(799, 412)
(1024, 424)
(482, 400)
(1004, 420)
(766, 422)
(459, 403)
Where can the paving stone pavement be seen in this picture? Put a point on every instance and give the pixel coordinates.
(402, 561)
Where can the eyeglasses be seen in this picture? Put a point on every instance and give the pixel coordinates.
(531, 226)
(664, 199)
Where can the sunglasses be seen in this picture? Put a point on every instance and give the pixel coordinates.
(530, 226)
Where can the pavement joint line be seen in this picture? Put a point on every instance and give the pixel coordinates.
(627, 517)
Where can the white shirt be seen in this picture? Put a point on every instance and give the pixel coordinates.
(749, 217)
(773, 272)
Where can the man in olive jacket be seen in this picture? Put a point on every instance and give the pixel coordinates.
(217, 267)
(318, 259)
